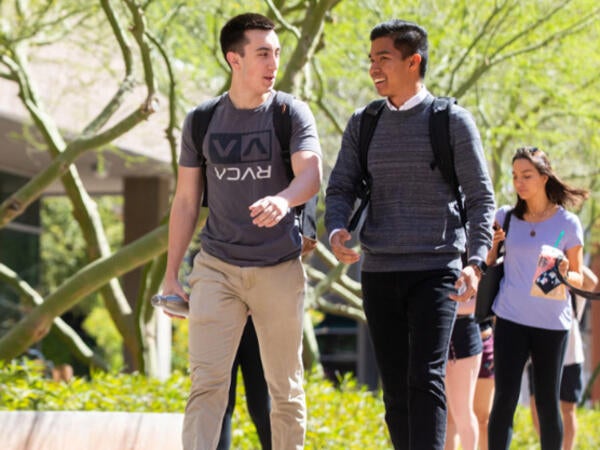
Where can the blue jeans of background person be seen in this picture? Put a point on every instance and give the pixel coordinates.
(410, 318)
(257, 393)
(513, 345)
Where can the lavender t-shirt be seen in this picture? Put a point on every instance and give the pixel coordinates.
(514, 301)
(244, 164)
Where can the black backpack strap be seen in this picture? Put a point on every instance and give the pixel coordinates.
(506, 222)
(201, 117)
(368, 123)
(439, 132)
(505, 226)
(282, 124)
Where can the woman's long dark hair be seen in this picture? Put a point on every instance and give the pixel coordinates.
(558, 191)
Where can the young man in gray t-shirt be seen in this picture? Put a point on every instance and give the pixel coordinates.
(250, 258)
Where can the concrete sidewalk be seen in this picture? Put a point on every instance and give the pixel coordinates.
(89, 430)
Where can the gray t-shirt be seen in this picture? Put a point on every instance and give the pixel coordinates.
(244, 164)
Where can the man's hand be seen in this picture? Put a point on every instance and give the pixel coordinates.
(173, 287)
(268, 211)
(466, 285)
(341, 252)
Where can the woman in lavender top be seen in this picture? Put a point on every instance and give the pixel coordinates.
(530, 325)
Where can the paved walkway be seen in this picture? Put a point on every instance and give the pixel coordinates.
(78, 430)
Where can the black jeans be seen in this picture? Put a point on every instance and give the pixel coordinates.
(513, 345)
(410, 319)
(257, 393)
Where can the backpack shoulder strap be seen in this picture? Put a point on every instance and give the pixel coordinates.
(506, 223)
(282, 124)
(201, 117)
(439, 132)
(368, 123)
(505, 226)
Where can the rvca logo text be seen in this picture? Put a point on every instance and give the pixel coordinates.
(235, 148)
(232, 149)
(237, 174)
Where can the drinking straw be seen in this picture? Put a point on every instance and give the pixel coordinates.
(558, 239)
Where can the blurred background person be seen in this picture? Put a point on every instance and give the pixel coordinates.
(484, 387)
(462, 369)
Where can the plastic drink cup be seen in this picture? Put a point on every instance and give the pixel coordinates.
(546, 278)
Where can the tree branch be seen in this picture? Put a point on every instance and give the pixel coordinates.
(139, 33)
(329, 259)
(169, 132)
(76, 345)
(96, 274)
(284, 23)
(320, 95)
(497, 57)
(128, 80)
(341, 310)
(478, 38)
(15, 204)
(333, 286)
(311, 32)
(84, 208)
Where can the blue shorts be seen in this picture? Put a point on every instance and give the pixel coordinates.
(571, 384)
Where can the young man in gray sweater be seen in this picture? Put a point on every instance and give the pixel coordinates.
(413, 237)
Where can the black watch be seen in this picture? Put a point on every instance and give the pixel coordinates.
(479, 265)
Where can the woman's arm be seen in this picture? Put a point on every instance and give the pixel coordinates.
(572, 270)
(590, 280)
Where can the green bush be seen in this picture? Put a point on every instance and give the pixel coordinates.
(342, 417)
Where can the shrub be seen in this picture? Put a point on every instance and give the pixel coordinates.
(340, 417)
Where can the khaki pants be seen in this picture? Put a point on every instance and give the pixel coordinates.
(221, 298)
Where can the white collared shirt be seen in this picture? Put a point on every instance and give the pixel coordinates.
(411, 102)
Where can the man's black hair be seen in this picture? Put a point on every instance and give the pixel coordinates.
(408, 37)
(233, 36)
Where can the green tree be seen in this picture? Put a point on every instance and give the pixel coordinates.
(36, 25)
(143, 52)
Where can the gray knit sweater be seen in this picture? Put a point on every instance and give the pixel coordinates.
(412, 221)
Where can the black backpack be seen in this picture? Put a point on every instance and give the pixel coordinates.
(282, 123)
(439, 130)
